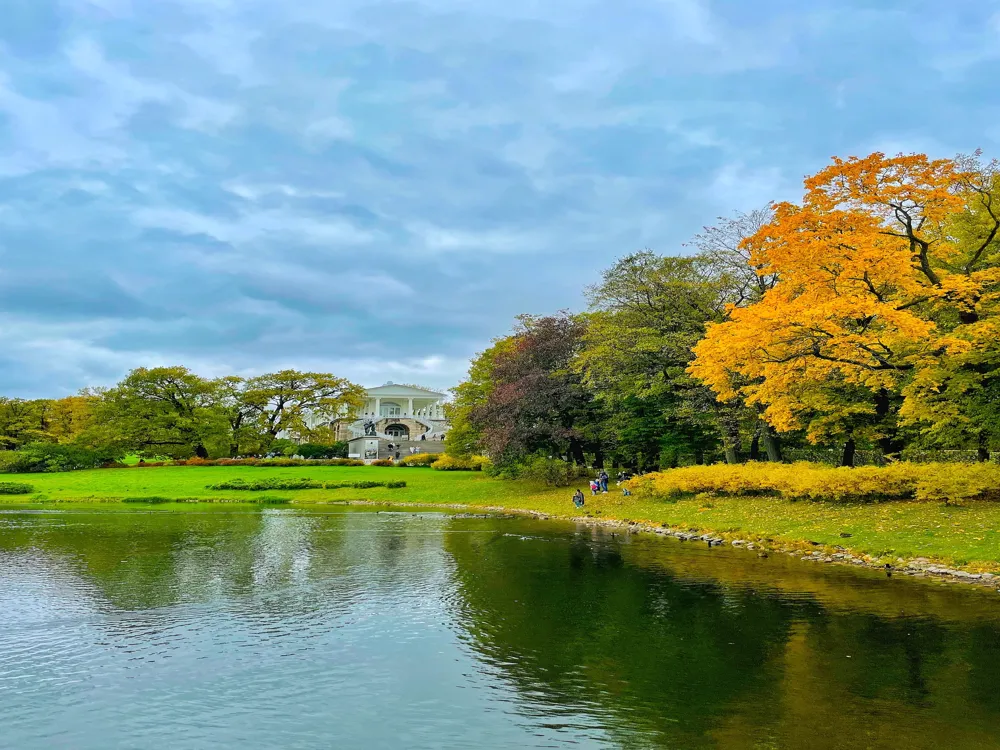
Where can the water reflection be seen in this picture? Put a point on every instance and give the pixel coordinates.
(638, 633)
(284, 628)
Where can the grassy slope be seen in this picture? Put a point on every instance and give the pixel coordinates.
(958, 535)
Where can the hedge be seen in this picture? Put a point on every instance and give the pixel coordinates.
(948, 482)
(452, 463)
(15, 488)
(259, 485)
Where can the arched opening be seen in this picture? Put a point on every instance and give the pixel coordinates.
(400, 431)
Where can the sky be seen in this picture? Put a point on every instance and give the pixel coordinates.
(376, 188)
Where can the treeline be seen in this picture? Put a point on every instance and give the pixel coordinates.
(171, 412)
(864, 318)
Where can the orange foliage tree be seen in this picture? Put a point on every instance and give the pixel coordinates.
(886, 276)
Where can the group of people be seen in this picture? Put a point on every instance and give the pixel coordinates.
(600, 485)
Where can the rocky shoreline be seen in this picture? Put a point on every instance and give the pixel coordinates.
(919, 567)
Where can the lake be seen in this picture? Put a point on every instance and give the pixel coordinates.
(223, 627)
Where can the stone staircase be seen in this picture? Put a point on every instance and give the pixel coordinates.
(403, 446)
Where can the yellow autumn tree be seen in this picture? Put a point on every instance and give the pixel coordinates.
(875, 286)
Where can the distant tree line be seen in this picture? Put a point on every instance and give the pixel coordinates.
(863, 319)
(171, 412)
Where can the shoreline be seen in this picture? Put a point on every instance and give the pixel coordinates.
(918, 567)
(985, 574)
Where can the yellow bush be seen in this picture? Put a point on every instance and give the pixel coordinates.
(419, 459)
(453, 463)
(899, 481)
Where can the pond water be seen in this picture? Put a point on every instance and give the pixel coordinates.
(284, 628)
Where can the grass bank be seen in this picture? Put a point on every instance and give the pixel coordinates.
(967, 535)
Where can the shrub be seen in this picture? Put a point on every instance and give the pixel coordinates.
(273, 483)
(197, 462)
(257, 485)
(15, 462)
(383, 462)
(284, 446)
(419, 459)
(552, 471)
(270, 462)
(16, 488)
(950, 482)
(453, 463)
(317, 450)
(43, 457)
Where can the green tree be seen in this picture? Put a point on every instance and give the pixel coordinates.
(647, 313)
(465, 436)
(21, 422)
(162, 411)
(285, 401)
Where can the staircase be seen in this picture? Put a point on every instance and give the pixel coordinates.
(403, 447)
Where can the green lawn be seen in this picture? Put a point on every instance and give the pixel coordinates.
(967, 535)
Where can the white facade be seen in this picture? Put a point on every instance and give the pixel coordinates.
(404, 402)
(398, 412)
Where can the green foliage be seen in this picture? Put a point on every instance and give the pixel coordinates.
(250, 462)
(279, 483)
(552, 471)
(950, 483)
(16, 488)
(161, 411)
(419, 459)
(42, 457)
(454, 463)
(284, 446)
(315, 450)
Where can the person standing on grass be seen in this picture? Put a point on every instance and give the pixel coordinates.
(603, 479)
(578, 498)
(594, 486)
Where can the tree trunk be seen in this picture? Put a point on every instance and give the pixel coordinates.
(890, 444)
(770, 438)
(847, 459)
(598, 458)
(772, 443)
(200, 452)
(729, 428)
(699, 456)
(731, 441)
(234, 450)
(982, 450)
(576, 450)
(755, 447)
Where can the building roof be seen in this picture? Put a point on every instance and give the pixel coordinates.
(405, 391)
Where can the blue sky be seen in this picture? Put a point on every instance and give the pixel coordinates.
(376, 188)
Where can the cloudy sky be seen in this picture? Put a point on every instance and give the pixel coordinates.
(375, 188)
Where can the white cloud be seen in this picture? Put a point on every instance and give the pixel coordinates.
(122, 94)
(254, 226)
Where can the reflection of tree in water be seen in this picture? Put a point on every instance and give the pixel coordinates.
(141, 560)
(275, 560)
(682, 662)
(572, 625)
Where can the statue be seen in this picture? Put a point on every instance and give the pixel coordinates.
(369, 428)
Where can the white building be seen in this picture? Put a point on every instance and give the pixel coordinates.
(397, 413)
